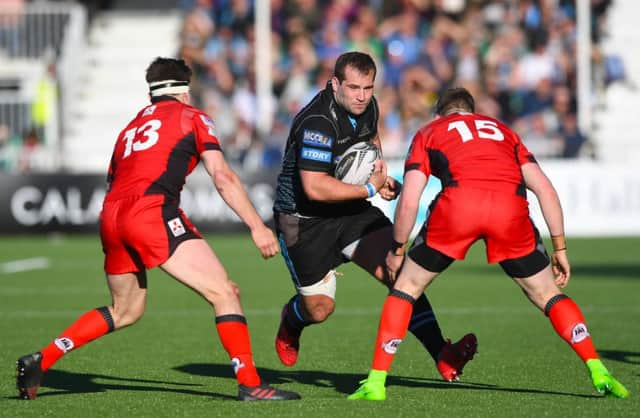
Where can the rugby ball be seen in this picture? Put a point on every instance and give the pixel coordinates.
(356, 163)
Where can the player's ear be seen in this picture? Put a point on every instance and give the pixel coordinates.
(335, 83)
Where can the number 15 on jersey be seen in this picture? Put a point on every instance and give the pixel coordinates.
(485, 129)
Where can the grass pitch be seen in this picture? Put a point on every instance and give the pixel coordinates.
(171, 363)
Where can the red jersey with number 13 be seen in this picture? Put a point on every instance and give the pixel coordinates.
(158, 149)
(468, 149)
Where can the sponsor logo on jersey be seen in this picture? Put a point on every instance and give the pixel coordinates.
(579, 333)
(176, 226)
(65, 344)
(149, 110)
(391, 346)
(211, 127)
(310, 137)
(236, 364)
(316, 155)
(344, 140)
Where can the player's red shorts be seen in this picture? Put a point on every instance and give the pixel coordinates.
(141, 232)
(461, 216)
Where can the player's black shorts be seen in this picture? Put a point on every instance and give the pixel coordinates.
(313, 246)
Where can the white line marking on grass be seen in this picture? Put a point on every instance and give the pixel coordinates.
(16, 266)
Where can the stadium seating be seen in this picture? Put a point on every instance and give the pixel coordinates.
(113, 87)
(616, 126)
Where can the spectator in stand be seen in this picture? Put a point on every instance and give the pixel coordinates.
(390, 126)
(30, 154)
(401, 37)
(538, 99)
(10, 23)
(332, 42)
(361, 34)
(9, 149)
(571, 136)
(304, 16)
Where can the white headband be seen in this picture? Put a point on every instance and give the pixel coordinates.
(159, 88)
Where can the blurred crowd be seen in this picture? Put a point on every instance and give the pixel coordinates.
(20, 153)
(516, 57)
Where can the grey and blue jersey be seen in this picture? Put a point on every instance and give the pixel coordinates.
(319, 134)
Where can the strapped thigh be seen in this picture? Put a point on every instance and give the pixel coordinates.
(326, 286)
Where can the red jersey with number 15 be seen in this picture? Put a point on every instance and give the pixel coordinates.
(468, 149)
(158, 149)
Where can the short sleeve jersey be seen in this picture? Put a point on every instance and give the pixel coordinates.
(320, 133)
(465, 149)
(158, 149)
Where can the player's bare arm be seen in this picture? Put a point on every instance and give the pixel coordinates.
(323, 187)
(233, 193)
(405, 216)
(547, 196)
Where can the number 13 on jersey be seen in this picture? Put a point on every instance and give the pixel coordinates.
(149, 130)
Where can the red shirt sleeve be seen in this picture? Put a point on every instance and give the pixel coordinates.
(522, 153)
(205, 132)
(418, 157)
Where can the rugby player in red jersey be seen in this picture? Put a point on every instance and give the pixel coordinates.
(142, 226)
(485, 171)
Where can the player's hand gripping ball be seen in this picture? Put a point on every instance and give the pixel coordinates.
(357, 162)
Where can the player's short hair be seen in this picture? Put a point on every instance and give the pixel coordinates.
(168, 76)
(168, 69)
(358, 60)
(455, 98)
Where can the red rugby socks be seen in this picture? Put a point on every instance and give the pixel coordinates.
(234, 336)
(86, 328)
(394, 320)
(567, 320)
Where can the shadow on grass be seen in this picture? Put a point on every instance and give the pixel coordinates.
(346, 383)
(65, 383)
(629, 357)
(582, 270)
(598, 271)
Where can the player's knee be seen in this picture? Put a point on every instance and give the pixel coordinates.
(223, 290)
(540, 297)
(125, 315)
(321, 310)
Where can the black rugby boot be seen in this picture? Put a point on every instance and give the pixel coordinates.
(265, 393)
(29, 375)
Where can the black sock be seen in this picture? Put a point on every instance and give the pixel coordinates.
(424, 326)
(294, 320)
